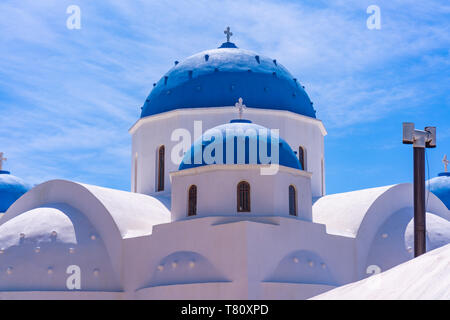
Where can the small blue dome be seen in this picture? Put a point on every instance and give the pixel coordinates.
(230, 134)
(440, 186)
(219, 77)
(11, 189)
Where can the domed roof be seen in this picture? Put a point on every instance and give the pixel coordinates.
(438, 232)
(11, 189)
(216, 78)
(45, 239)
(226, 135)
(440, 186)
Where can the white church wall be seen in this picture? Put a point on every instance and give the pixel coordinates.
(151, 132)
(217, 191)
(233, 256)
(394, 240)
(61, 295)
(388, 248)
(111, 216)
(241, 258)
(80, 198)
(297, 252)
(39, 246)
(292, 291)
(219, 248)
(374, 217)
(438, 232)
(391, 202)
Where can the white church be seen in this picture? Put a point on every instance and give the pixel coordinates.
(228, 201)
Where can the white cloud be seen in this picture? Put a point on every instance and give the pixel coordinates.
(80, 90)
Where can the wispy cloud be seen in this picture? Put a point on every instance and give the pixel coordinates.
(67, 97)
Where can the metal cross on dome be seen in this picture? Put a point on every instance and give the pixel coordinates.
(446, 163)
(1, 160)
(240, 107)
(228, 33)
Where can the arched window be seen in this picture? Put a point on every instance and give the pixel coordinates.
(292, 201)
(302, 157)
(192, 201)
(160, 181)
(243, 197)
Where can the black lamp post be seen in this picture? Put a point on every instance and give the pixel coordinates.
(420, 140)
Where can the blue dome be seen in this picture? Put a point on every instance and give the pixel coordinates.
(216, 78)
(229, 135)
(440, 186)
(11, 189)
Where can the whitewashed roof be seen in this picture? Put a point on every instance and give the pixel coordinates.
(349, 213)
(426, 277)
(132, 214)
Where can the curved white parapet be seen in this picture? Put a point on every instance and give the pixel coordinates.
(73, 223)
(377, 219)
(425, 277)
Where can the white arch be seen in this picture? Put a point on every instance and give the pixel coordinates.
(359, 214)
(115, 214)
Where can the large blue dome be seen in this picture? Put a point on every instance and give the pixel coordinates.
(216, 78)
(440, 186)
(255, 136)
(11, 189)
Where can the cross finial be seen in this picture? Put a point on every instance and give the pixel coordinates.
(1, 160)
(228, 33)
(446, 163)
(240, 107)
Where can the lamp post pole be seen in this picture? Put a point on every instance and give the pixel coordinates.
(419, 202)
(420, 140)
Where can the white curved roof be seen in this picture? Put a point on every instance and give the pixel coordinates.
(426, 277)
(343, 213)
(347, 213)
(438, 232)
(47, 240)
(115, 215)
(133, 214)
(36, 226)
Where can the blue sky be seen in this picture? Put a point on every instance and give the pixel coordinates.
(68, 97)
